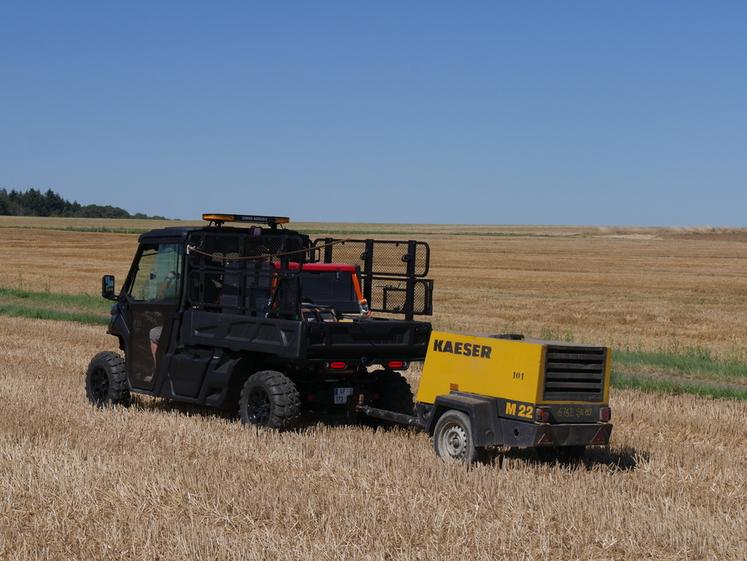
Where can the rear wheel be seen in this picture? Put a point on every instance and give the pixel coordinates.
(392, 393)
(269, 399)
(452, 439)
(106, 380)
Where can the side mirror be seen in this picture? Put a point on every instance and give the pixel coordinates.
(107, 287)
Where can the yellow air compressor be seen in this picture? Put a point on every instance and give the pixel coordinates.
(508, 391)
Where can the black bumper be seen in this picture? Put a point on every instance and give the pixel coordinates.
(527, 435)
(489, 428)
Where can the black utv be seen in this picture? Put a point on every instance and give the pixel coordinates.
(264, 320)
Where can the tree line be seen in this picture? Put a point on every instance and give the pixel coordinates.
(34, 202)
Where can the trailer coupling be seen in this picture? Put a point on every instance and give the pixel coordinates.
(385, 415)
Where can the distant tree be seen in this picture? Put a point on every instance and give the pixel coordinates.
(55, 204)
(99, 211)
(33, 202)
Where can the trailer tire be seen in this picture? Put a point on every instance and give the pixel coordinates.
(452, 439)
(269, 399)
(106, 380)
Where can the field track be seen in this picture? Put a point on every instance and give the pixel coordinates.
(158, 481)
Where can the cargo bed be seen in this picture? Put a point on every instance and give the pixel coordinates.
(372, 339)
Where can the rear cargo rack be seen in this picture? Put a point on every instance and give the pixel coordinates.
(392, 272)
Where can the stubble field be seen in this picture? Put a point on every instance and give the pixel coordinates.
(157, 481)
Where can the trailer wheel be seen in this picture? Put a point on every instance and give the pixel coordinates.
(453, 441)
(106, 380)
(269, 399)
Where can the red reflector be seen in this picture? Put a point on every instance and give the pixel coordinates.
(310, 397)
(396, 364)
(545, 439)
(599, 438)
(605, 414)
(337, 365)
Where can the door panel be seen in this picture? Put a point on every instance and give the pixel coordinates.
(152, 299)
(187, 372)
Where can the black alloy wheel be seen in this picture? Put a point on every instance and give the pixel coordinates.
(99, 385)
(258, 406)
(269, 399)
(106, 380)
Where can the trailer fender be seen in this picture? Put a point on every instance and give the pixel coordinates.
(482, 411)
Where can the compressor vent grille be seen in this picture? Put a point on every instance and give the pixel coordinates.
(574, 373)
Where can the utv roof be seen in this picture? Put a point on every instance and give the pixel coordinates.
(184, 231)
(170, 232)
(216, 219)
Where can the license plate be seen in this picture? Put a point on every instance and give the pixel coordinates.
(342, 395)
(571, 412)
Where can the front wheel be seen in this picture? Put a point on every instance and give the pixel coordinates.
(106, 380)
(269, 399)
(452, 439)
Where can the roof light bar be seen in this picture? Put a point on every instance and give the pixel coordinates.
(218, 217)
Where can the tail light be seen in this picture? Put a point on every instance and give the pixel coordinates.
(605, 414)
(396, 364)
(337, 365)
(542, 415)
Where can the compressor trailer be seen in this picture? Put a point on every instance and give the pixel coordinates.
(482, 392)
(264, 321)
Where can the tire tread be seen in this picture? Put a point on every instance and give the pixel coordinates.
(119, 389)
(284, 398)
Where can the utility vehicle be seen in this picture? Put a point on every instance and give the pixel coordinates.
(265, 320)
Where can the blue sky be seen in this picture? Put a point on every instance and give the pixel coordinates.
(628, 113)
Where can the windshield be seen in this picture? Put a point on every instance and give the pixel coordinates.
(157, 274)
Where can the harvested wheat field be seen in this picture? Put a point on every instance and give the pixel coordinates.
(159, 481)
(640, 288)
